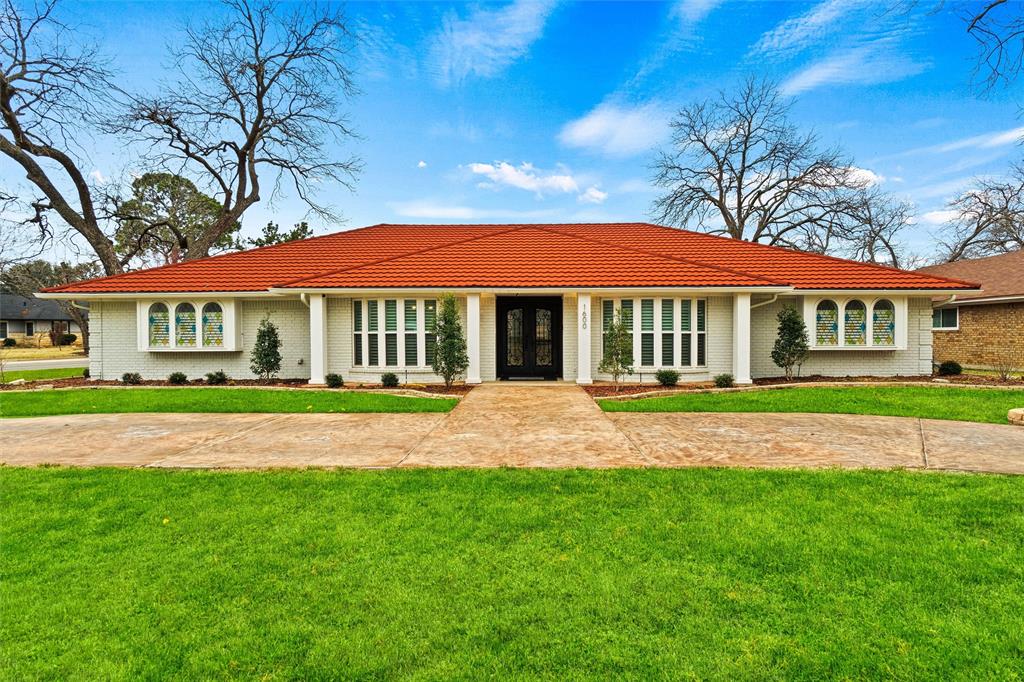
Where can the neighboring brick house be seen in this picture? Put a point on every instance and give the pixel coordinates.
(983, 329)
(29, 320)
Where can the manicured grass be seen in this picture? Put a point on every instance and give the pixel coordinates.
(34, 374)
(966, 404)
(441, 574)
(99, 400)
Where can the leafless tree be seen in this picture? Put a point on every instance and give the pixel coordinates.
(989, 219)
(874, 229)
(257, 95)
(51, 89)
(998, 28)
(737, 166)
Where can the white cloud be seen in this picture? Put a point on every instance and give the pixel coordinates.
(524, 176)
(488, 40)
(797, 33)
(937, 217)
(592, 196)
(96, 175)
(869, 63)
(693, 11)
(617, 130)
(1002, 138)
(430, 210)
(868, 177)
(421, 164)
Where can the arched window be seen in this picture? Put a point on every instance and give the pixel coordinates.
(827, 324)
(159, 326)
(213, 325)
(185, 325)
(883, 323)
(855, 324)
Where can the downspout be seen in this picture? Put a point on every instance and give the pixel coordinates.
(771, 300)
(304, 297)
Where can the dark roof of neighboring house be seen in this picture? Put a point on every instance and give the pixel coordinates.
(551, 255)
(1000, 276)
(14, 307)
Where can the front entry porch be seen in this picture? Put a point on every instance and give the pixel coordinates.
(528, 341)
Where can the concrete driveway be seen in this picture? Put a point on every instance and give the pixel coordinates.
(509, 424)
(60, 363)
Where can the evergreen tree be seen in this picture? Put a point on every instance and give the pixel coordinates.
(450, 357)
(265, 359)
(618, 350)
(791, 345)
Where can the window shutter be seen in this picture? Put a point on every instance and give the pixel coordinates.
(647, 350)
(410, 315)
(647, 314)
(411, 350)
(702, 315)
(607, 312)
(357, 316)
(668, 357)
(371, 316)
(684, 314)
(390, 315)
(626, 308)
(667, 314)
(429, 315)
(391, 349)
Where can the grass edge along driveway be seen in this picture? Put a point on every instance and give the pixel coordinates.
(196, 399)
(441, 574)
(37, 374)
(925, 402)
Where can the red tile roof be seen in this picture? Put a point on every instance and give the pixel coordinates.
(577, 255)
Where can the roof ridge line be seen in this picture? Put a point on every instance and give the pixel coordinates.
(395, 257)
(887, 268)
(208, 258)
(666, 257)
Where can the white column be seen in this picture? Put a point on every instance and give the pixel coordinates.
(473, 338)
(741, 338)
(317, 338)
(584, 320)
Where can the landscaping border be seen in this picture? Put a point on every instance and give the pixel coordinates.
(657, 393)
(402, 392)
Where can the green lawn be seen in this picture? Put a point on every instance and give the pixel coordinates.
(99, 400)
(33, 374)
(441, 574)
(966, 404)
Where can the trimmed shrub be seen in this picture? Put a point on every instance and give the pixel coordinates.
(950, 368)
(217, 378)
(389, 380)
(177, 378)
(68, 339)
(724, 380)
(266, 352)
(85, 373)
(667, 377)
(9, 342)
(131, 378)
(334, 381)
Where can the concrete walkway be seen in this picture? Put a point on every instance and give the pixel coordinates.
(509, 424)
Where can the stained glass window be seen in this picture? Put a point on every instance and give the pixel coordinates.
(544, 338)
(185, 325)
(827, 324)
(883, 323)
(514, 338)
(213, 325)
(855, 324)
(159, 326)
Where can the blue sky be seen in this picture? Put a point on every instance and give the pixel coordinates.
(549, 111)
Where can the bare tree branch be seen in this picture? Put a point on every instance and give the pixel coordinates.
(989, 219)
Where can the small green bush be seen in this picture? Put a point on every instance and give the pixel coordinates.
(9, 342)
(131, 378)
(68, 339)
(85, 373)
(177, 378)
(724, 380)
(217, 378)
(334, 381)
(667, 377)
(389, 379)
(950, 368)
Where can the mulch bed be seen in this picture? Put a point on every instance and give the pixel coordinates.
(297, 384)
(607, 390)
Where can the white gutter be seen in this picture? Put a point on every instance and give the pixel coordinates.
(771, 300)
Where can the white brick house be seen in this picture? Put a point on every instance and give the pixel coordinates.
(533, 300)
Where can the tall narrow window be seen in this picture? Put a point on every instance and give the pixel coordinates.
(411, 346)
(668, 358)
(883, 323)
(185, 325)
(702, 328)
(213, 326)
(826, 324)
(626, 313)
(647, 332)
(686, 337)
(357, 333)
(855, 323)
(390, 333)
(159, 326)
(430, 338)
(607, 316)
(372, 348)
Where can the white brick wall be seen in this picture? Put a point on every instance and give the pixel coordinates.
(114, 346)
(916, 359)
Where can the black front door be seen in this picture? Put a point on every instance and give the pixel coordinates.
(529, 337)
